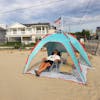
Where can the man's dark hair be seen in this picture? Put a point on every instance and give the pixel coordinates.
(58, 53)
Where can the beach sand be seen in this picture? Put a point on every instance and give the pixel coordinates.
(14, 85)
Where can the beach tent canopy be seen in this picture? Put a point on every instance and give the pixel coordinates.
(63, 43)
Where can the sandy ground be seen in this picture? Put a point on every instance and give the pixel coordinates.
(14, 85)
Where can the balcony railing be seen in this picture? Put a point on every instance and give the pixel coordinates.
(40, 32)
(19, 33)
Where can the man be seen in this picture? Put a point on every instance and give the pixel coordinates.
(47, 62)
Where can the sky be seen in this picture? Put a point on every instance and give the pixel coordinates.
(76, 14)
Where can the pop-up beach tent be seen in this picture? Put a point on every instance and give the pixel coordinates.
(63, 43)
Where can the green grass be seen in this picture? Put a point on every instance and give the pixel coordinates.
(17, 45)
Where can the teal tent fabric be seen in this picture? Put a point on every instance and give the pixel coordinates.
(66, 41)
(79, 48)
(51, 46)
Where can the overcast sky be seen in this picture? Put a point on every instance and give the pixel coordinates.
(78, 14)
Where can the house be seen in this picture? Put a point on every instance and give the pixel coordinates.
(2, 35)
(98, 32)
(27, 33)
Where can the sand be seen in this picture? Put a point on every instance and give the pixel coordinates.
(14, 85)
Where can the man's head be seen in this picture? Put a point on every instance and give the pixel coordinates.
(56, 52)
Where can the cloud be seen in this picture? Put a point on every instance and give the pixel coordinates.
(40, 7)
(30, 11)
(81, 20)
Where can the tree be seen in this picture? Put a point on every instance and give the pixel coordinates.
(86, 33)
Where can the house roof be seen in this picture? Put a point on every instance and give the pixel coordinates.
(2, 29)
(28, 25)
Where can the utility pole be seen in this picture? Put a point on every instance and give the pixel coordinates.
(62, 23)
(69, 28)
(97, 47)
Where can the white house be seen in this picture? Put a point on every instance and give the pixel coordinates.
(26, 33)
(2, 35)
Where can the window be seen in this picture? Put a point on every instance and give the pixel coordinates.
(38, 30)
(42, 28)
(22, 30)
(14, 31)
(29, 29)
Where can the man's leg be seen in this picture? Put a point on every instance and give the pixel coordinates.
(43, 67)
